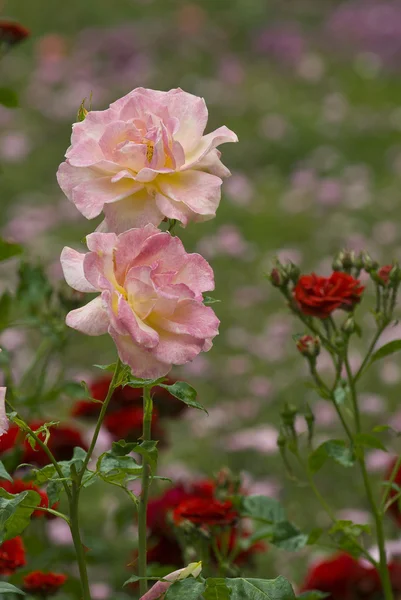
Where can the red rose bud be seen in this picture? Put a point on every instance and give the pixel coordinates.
(12, 556)
(42, 584)
(394, 509)
(12, 33)
(278, 278)
(309, 346)
(205, 512)
(320, 296)
(384, 274)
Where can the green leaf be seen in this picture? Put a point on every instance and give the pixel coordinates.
(262, 508)
(313, 595)
(260, 589)
(369, 441)
(74, 390)
(8, 97)
(337, 450)
(118, 469)
(4, 474)
(209, 300)
(15, 512)
(5, 310)
(187, 589)
(7, 588)
(111, 367)
(147, 449)
(349, 528)
(315, 535)
(386, 350)
(382, 428)
(184, 392)
(135, 382)
(216, 589)
(288, 537)
(8, 249)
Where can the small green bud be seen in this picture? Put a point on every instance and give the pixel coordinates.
(368, 263)
(349, 326)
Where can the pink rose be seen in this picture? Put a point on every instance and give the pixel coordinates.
(3, 416)
(146, 158)
(151, 297)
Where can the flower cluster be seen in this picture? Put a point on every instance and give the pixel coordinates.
(200, 505)
(43, 584)
(12, 556)
(143, 160)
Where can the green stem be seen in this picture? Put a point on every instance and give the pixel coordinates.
(370, 351)
(377, 516)
(76, 537)
(391, 480)
(143, 502)
(99, 423)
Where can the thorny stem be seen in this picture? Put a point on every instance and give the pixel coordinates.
(143, 502)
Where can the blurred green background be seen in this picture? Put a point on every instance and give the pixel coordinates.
(313, 91)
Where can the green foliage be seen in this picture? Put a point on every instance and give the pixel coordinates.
(187, 589)
(8, 588)
(147, 449)
(5, 310)
(114, 468)
(262, 508)
(313, 595)
(349, 528)
(9, 250)
(8, 97)
(209, 300)
(216, 589)
(260, 589)
(367, 440)
(4, 474)
(386, 350)
(15, 512)
(336, 450)
(34, 289)
(184, 392)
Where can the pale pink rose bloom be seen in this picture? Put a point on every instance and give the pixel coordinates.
(146, 158)
(3, 416)
(158, 591)
(151, 297)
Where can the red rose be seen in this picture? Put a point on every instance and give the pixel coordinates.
(384, 273)
(309, 345)
(42, 584)
(320, 296)
(166, 404)
(12, 556)
(127, 423)
(394, 509)
(63, 439)
(18, 486)
(205, 511)
(345, 578)
(12, 33)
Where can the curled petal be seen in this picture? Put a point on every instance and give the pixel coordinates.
(91, 319)
(198, 190)
(73, 269)
(143, 363)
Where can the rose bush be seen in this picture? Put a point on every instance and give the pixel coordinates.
(146, 158)
(151, 298)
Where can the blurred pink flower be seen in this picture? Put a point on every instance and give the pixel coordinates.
(151, 299)
(262, 438)
(14, 147)
(239, 189)
(31, 221)
(146, 158)
(59, 532)
(101, 591)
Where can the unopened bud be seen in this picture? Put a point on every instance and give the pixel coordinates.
(293, 272)
(368, 263)
(337, 265)
(309, 346)
(278, 277)
(348, 259)
(395, 275)
(349, 326)
(281, 441)
(288, 414)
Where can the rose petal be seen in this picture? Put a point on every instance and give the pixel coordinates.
(91, 319)
(72, 265)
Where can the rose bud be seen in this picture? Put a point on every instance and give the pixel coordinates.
(309, 346)
(349, 326)
(278, 278)
(368, 263)
(12, 33)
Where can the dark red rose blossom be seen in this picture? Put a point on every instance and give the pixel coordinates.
(43, 584)
(12, 33)
(164, 550)
(320, 296)
(12, 556)
(394, 509)
(384, 273)
(63, 439)
(346, 578)
(18, 485)
(205, 512)
(127, 423)
(166, 404)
